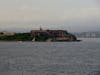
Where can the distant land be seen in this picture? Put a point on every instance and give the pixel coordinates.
(92, 34)
(39, 35)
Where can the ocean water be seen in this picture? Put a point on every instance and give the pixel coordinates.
(50, 58)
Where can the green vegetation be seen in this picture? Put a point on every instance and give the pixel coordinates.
(17, 37)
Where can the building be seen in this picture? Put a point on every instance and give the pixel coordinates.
(53, 35)
(6, 33)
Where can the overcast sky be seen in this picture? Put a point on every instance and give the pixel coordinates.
(72, 15)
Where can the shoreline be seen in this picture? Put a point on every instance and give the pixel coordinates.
(42, 41)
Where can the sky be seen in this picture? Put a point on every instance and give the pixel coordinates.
(71, 15)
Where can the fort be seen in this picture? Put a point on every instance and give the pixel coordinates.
(52, 35)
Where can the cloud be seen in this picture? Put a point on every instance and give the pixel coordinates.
(81, 14)
(23, 14)
(28, 15)
(97, 3)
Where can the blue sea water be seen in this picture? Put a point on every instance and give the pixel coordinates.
(50, 58)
